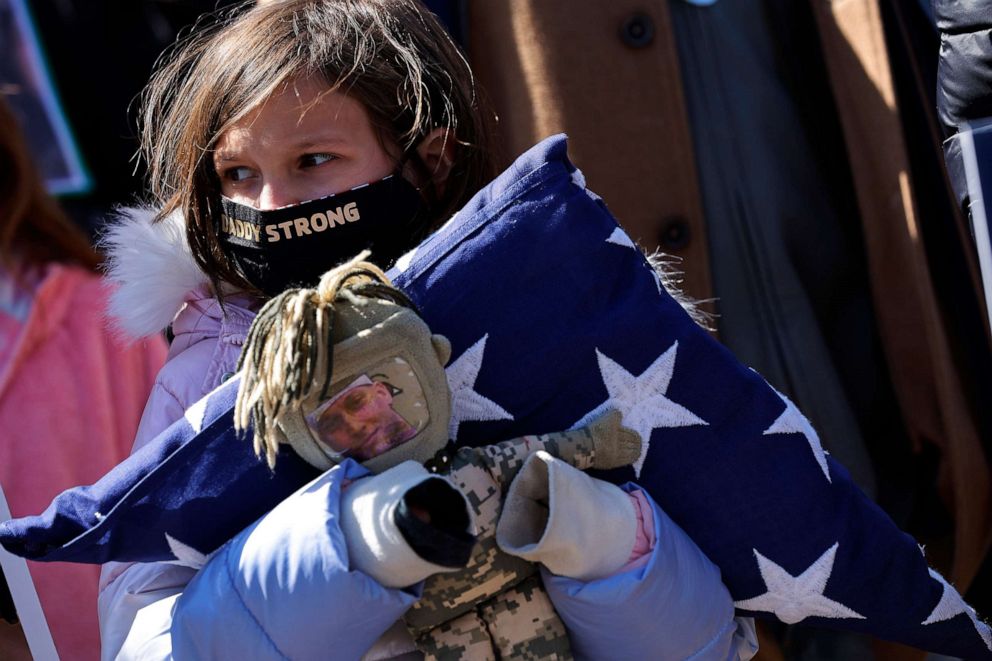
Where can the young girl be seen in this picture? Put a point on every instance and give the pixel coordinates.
(280, 142)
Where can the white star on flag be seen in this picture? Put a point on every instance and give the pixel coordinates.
(642, 400)
(579, 180)
(951, 604)
(620, 238)
(403, 263)
(792, 421)
(186, 555)
(466, 404)
(657, 280)
(194, 414)
(794, 598)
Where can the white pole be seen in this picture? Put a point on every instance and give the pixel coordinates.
(29, 612)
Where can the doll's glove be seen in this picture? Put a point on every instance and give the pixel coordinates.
(406, 524)
(615, 444)
(575, 525)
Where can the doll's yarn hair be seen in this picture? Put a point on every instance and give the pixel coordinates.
(288, 352)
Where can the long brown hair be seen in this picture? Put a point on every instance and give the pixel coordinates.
(391, 55)
(33, 228)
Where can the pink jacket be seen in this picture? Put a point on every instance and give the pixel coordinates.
(158, 285)
(207, 342)
(70, 398)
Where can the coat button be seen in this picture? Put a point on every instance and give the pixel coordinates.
(637, 31)
(675, 233)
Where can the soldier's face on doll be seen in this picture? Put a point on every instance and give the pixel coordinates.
(362, 423)
(303, 143)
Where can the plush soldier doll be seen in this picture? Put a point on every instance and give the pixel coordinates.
(349, 369)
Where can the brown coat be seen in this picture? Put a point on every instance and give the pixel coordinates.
(579, 67)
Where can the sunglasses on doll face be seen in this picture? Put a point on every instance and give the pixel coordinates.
(361, 422)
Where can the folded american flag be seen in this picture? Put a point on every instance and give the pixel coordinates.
(553, 315)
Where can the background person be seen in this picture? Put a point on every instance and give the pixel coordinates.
(70, 392)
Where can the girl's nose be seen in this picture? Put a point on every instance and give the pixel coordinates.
(275, 194)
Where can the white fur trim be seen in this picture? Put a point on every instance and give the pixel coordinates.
(151, 268)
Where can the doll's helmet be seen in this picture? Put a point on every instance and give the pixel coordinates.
(346, 369)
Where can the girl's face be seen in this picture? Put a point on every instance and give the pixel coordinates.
(303, 143)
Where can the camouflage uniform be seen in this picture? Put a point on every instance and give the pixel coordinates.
(497, 606)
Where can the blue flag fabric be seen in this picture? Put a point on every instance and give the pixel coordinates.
(176, 499)
(553, 315)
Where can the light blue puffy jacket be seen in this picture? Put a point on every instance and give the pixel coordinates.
(282, 589)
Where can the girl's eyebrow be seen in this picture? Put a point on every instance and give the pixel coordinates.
(311, 142)
(225, 156)
(308, 143)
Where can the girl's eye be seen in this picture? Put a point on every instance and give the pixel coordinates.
(313, 160)
(239, 173)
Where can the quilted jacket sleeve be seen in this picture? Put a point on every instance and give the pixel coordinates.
(964, 74)
(282, 588)
(675, 602)
(127, 589)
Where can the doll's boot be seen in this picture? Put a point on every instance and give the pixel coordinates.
(406, 524)
(573, 524)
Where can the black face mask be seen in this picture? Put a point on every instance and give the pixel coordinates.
(294, 245)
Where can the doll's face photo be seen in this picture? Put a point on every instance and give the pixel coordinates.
(363, 419)
(303, 143)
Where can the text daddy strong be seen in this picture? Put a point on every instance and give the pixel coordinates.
(289, 229)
